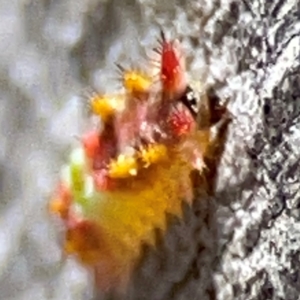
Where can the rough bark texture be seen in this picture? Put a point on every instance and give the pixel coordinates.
(241, 244)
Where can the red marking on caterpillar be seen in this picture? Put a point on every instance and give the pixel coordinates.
(181, 121)
(102, 181)
(172, 68)
(91, 143)
(107, 146)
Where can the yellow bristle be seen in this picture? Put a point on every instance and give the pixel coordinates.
(153, 154)
(105, 106)
(123, 167)
(135, 82)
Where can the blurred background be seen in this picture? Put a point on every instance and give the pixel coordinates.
(241, 244)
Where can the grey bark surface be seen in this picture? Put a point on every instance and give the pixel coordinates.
(241, 244)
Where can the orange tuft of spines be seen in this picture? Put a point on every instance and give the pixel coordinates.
(61, 201)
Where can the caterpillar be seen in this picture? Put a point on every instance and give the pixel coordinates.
(122, 180)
